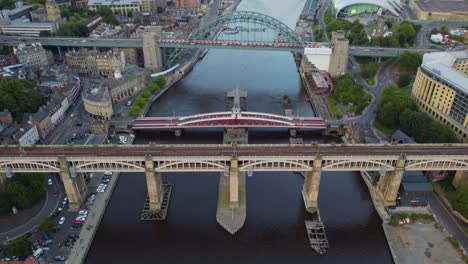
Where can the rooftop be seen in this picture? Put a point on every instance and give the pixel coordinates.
(442, 5)
(131, 71)
(95, 90)
(440, 64)
(113, 2)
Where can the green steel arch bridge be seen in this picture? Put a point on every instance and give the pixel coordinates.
(236, 30)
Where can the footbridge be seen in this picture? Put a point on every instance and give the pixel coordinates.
(231, 160)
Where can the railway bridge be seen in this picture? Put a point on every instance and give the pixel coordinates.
(231, 160)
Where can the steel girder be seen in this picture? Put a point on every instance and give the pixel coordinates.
(216, 24)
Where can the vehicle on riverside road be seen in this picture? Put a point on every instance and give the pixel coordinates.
(62, 220)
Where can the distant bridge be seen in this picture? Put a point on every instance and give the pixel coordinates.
(195, 44)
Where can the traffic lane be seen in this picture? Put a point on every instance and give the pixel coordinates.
(448, 221)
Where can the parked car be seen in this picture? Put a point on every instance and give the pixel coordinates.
(59, 258)
(62, 220)
(49, 181)
(65, 201)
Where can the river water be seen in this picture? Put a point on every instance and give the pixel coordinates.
(274, 231)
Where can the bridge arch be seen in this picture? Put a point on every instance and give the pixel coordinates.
(133, 166)
(364, 164)
(30, 166)
(246, 16)
(430, 164)
(204, 165)
(297, 166)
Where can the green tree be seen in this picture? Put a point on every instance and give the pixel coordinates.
(107, 15)
(153, 87)
(46, 226)
(5, 205)
(137, 20)
(369, 69)
(140, 102)
(130, 13)
(459, 199)
(24, 189)
(409, 61)
(134, 111)
(393, 102)
(160, 81)
(20, 247)
(7, 4)
(146, 94)
(18, 99)
(404, 78)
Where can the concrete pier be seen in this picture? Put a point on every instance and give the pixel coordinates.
(231, 218)
(311, 187)
(70, 184)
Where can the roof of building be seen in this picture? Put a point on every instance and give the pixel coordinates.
(114, 2)
(417, 186)
(95, 90)
(442, 5)
(440, 64)
(413, 176)
(400, 136)
(40, 115)
(131, 71)
(21, 131)
(387, 4)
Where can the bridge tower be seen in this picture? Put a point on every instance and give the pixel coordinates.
(339, 57)
(154, 185)
(390, 182)
(152, 51)
(53, 11)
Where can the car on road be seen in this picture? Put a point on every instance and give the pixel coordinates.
(129, 103)
(65, 201)
(59, 258)
(49, 181)
(62, 220)
(56, 193)
(60, 208)
(108, 173)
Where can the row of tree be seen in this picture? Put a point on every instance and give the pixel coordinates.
(75, 25)
(397, 110)
(22, 191)
(18, 99)
(408, 63)
(142, 100)
(350, 94)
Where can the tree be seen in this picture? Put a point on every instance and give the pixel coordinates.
(409, 61)
(107, 15)
(17, 99)
(154, 87)
(130, 13)
(20, 247)
(160, 81)
(24, 189)
(146, 94)
(140, 102)
(369, 69)
(404, 79)
(393, 102)
(137, 20)
(134, 111)
(459, 199)
(46, 226)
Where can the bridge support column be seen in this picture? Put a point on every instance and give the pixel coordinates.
(234, 184)
(154, 185)
(71, 188)
(311, 186)
(390, 183)
(460, 178)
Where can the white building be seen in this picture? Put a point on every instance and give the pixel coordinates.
(319, 57)
(57, 106)
(27, 135)
(29, 29)
(33, 55)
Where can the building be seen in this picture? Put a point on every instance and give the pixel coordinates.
(414, 190)
(94, 63)
(5, 118)
(42, 121)
(450, 10)
(126, 84)
(350, 8)
(194, 4)
(29, 29)
(96, 99)
(60, 79)
(19, 11)
(26, 135)
(441, 89)
(401, 138)
(131, 55)
(33, 55)
(39, 15)
(57, 105)
(53, 11)
(117, 6)
(339, 56)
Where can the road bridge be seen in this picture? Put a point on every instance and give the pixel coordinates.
(70, 160)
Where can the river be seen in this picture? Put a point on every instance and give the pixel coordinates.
(274, 230)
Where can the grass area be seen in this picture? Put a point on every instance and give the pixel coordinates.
(454, 242)
(383, 129)
(424, 218)
(331, 102)
(371, 81)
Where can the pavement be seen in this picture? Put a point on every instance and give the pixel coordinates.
(420, 243)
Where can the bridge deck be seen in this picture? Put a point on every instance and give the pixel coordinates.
(52, 151)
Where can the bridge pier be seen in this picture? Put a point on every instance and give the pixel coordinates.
(154, 185)
(71, 188)
(234, 184)
(390, 183)
(311, 186)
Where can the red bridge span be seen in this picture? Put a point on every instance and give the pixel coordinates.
(234, 119)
